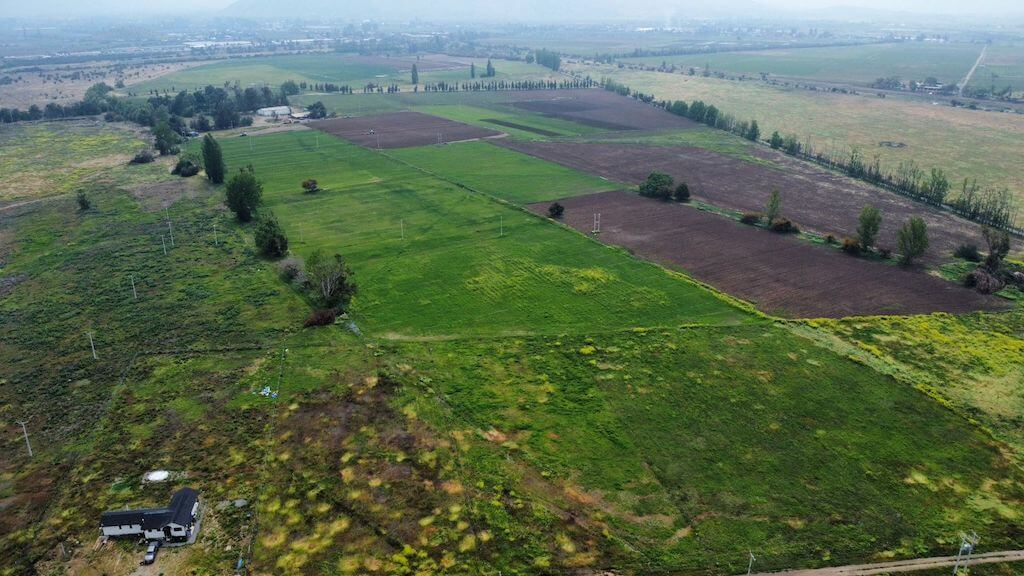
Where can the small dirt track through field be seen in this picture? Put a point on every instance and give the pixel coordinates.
(782, 275)
(902, 565)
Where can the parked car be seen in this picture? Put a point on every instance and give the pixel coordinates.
(150, 556)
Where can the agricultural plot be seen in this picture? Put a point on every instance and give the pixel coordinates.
(974, 363)
(1002, 66)
(812, 197)
(313, 68)
(782, 275)
(513, 121)
(401, 130)
(861, 64)
(44, 160)
(963, 143)
(435, 259)
(502, 173)
(691, 447)
(600, 109)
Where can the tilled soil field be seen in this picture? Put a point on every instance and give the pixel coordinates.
(814, 198)
(401, 130)
(781, 275)
(598, 108)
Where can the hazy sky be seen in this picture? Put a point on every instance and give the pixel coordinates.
(657, 7)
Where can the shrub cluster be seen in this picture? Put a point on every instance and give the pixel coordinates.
(142, 157)
(750, 218)
(322, 317)
(851, 245)
(783, 226)
(968, 252)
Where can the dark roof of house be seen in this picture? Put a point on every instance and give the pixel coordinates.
(181, 506)
(179, 512)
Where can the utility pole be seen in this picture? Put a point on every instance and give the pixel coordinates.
(92, 345)
(501, 224)
(215, 242)
(403, 229)
(134, 292)
(164, 244)
(750, 565)
(24, 432)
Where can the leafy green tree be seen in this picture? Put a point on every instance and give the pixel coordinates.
(490, 69)
(213, 160)
(776, 140)
(682, 193)
(998, 247)
(244, 194)
(167, 140)
(415, 75)
(774, 207)
(317, 110)
(330, 279)
(270, 238)
(868, 226)
(289, 88)
(912, 240)
(555, 211)
(657, 185)
(754, 132)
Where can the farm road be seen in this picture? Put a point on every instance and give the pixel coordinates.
(902, 565)
(970, 74)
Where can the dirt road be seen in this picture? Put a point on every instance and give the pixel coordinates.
(967, 79)
(902, 565)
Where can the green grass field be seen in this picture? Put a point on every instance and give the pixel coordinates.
(964, 143)
(1003, 66)
(861, 64)
(522, 399)
(336, 68)
(51, 159)
(467, 264)
(502, 173)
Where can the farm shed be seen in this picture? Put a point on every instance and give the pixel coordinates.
(274, 111)
(173, 524)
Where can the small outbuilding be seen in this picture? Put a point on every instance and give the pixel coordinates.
(172, 524)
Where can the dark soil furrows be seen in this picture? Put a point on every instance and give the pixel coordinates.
(814, 198)
(781, 275)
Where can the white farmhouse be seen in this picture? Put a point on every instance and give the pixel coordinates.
(174, 523)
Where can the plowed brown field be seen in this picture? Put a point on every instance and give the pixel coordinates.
(814, 198)
(781, 275)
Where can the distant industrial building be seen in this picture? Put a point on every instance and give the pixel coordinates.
(172, 524)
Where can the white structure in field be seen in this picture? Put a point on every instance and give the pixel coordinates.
(173, 524)
(279, 111)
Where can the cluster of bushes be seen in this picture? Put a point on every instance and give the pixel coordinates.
(912, 238)
(326, 281)
(993, 273)
(187, 166)
(663, 187)
(772, 216)
(142, 157)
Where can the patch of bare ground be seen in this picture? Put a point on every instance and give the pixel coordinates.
(401, 130)
(814, 198)
(781, 275)
(160, 195)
